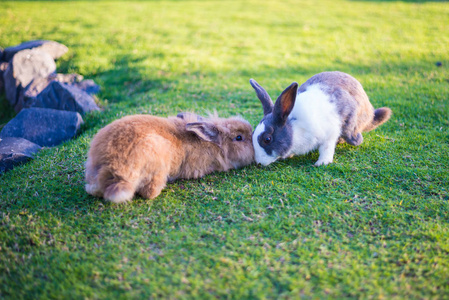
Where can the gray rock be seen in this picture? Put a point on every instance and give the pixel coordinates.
(26, 66)
(59, 91)
(14, 151)
(33, 89)
(66, 78)
(42, 126)
(39, 84)
(55, 49)
(3, 67)
(88, 85)
(62, 96)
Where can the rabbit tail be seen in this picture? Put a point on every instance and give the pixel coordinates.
(102, 183)
(381, 115)
(119, 192)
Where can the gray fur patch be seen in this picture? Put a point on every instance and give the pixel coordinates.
(350, 99)
(281, 138)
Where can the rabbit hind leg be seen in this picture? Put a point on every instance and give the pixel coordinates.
(350, 132)
(354, 139)
(153, 188)
(91, 175)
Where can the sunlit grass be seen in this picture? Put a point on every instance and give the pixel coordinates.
(373, 224)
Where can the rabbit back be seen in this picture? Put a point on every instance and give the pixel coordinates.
(351, 104)
(129, 154)
(347, 94)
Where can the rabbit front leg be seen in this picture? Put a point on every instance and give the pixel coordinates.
(327, 146)
(327, 151)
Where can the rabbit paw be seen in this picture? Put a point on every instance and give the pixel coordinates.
(354, 140)
(323, 162)
(326, 154)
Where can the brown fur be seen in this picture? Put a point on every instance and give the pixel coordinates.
(139, 153)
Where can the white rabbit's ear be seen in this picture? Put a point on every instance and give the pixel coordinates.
(263, 96)
(205, 131)
(284, 104)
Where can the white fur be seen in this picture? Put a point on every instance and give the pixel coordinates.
(261, 156)
(316, 124)
(92, 189)
(121, 197)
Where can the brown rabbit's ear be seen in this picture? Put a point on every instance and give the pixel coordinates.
(205, 131)
(284, 104)
(189, 115)
(263, 96)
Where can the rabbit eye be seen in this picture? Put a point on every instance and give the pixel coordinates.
(267, 140)
(239, 138)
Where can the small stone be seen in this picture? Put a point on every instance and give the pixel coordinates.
(42, 126)
(33, 89)
(62, 96)
(39, 84)
(25, 67)
(66, 78)
(54, 49)
(51, 98)
(14, 151)
(88, 86)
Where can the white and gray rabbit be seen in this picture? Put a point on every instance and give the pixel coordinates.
(328, 108)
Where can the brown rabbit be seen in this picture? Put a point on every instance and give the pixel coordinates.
(140, 153)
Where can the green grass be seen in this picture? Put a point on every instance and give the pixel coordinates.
(374, 224)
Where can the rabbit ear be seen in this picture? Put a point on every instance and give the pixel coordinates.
(205, 131)
(284, 104)
(263, 96)
(189, 116)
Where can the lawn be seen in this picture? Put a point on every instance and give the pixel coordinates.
(374, 224)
